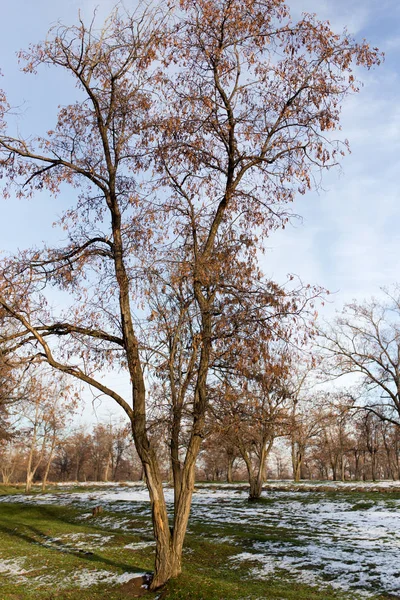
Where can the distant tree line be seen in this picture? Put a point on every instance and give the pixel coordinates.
(104, 452)
(326, 441)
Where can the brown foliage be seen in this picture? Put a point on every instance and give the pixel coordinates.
(190, 135)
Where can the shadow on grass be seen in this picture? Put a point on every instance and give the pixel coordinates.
(35, 536)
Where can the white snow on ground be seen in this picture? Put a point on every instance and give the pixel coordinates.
(352, 548)
(79, 541)
(99, 484)
(83, 578)
(350, 544)
(13, 566)
(336, 485)
(87, 577)
(139, 545)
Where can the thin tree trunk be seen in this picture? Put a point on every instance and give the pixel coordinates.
(48, 465)
(107, 468)
(30, 471)
(373, 465)
(293, 456)
(77, 469)
(29, 481)
(229, 472)
(297, 461)
(6, 477)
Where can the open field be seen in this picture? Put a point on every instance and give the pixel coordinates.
(316, 542)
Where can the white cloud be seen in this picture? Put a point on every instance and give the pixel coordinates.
(353, 15)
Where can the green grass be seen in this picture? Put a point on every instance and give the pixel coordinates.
(54, 543)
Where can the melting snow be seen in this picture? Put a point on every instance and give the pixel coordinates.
(83, 578)
(139, 545)
(86, 578)
(332, 541)
(13, 566)
(79, 541)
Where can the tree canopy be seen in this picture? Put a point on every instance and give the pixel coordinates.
(194, 128)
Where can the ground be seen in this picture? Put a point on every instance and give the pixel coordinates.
(307, 542)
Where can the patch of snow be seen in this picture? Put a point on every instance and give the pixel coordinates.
(13, 566)
(228, 539)
(139, 545)
(79, 541)
(83, 578)
(88, 577)
(349, 545)
(298, 571)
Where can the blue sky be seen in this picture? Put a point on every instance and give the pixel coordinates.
(349, 238)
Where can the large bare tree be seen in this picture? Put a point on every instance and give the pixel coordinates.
(189, 137)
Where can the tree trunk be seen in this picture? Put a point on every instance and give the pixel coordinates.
(29, 472)
(334, 466)
(256, 476)
(168, 544)
(169, 541)
(229, 477)
(297, 462)
(356, 465)
(373, 465)
(255, 488)
(46, 474)
(29, 481)
(293, 456)
(6, 477)
(48, 465)
(297, 472)
(107, 468)
(342, 468)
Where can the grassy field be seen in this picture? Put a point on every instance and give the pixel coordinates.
(52, 548)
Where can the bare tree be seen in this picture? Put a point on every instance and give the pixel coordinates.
(45, 412)
(227, 136)
(364, 340)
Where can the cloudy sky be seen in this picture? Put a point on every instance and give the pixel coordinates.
(349, 238)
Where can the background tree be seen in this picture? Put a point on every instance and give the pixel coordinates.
(219, 451)
(7, 397)
(305, 424)
(45, 412)
(253, 405)
(305, 413)
(107, 447)
(364, 340)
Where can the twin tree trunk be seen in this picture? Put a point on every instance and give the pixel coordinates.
(257, 473)
(169, 540)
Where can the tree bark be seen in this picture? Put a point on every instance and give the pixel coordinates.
(297, 462)
(48, 465)
(229, 477)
